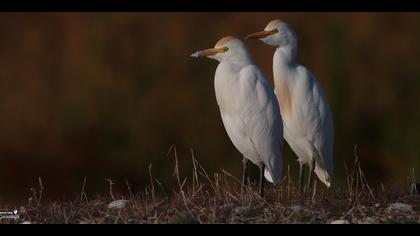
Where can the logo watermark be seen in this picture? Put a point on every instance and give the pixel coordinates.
(13, 215)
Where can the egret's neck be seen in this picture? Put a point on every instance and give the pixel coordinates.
(283, 62)
(286, 55)
(241, 60)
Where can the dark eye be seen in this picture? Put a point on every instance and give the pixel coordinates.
(225, 49)
(276, 31)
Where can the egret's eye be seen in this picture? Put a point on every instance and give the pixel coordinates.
(225, 49)
(275, 31)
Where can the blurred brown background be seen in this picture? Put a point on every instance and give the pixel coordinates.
(103, 95)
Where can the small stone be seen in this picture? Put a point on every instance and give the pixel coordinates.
(296, 208)
(340, 222)
(241, 210)
(268, 211)
(26, 223)
(119, 204)
(398, 206)
(369, 220)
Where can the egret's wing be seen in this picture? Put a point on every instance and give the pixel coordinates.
(262, 117)
(314, 116)
(227, 88)
(237, 132)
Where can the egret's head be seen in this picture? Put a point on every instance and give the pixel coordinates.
(226, 49)
(276, 34)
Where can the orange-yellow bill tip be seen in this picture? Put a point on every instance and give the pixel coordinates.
(259, 35)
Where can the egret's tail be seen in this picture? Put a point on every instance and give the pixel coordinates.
(321, 170)
(323, 175)
(269, 177)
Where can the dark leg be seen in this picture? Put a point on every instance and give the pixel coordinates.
(311, 176)
(244, 175)
(301, 177)
(262, 169)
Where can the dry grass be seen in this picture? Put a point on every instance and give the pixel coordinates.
(215, 198)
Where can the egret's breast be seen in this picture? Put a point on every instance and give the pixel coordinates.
(284, 97)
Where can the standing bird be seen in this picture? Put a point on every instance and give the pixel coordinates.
(249, 109)
(307, 120)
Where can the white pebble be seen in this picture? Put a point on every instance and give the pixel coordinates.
(119, 204)
(398, 206)
(340, 222)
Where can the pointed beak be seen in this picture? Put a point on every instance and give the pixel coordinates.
(207, 53)
(260, 35)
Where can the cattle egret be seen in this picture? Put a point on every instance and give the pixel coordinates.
(249, 109)
(307, 120)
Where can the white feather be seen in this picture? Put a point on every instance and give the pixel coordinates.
(248, 106)
(251, 117)
(307, 120)
(308, 128)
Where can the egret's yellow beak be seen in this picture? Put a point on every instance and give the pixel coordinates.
(207, 53)
(261, 34)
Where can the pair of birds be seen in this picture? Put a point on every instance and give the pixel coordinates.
(257, 118)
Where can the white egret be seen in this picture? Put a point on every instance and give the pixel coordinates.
(307, 121)
(249, 109)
